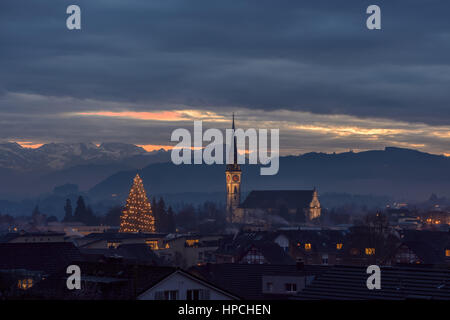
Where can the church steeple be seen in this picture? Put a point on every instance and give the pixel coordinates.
(234, 144)
(233, 181)
(234, 165)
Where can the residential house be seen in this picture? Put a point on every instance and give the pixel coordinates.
(181, 285)
(258, 281)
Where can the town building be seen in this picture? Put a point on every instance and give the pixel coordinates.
(259, 281)
(260, 206)
(181, 285)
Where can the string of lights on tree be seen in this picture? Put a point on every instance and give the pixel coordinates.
(137, 216)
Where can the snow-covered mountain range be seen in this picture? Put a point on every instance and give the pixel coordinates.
(57, 156)
(28, 172)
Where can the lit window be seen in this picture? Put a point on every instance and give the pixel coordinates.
(153, 244)
(307, 246)
(113, 245)
(191, 242)
(447, 253)
(25, 284)
(370, 251)
(339, 246)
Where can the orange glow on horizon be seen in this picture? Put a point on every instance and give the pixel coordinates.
(29, 144)
(154, 147)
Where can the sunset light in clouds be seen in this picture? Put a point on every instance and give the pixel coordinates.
(176, 115)
(154, 116)
(300, 131)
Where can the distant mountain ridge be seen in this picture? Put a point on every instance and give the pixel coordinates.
(29, 172)
(107, 169)
(56, 156)
(397, 172)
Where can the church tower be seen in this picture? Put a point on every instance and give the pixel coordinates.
(233, 181)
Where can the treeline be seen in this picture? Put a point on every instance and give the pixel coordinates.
(164, 216)
(82, 213)
(205, 218)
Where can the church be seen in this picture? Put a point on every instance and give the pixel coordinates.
(263, 205)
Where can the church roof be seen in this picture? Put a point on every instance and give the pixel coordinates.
(291, 199)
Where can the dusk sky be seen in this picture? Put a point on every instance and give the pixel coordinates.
(140, 69)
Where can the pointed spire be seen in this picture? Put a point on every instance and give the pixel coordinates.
(233, 121)
(234, 144)
(233, 163)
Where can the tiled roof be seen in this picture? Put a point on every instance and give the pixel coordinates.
(125, 281)
(14, 235)
(122, 235)
(47, 257)
(320, 240)
(133, 252)
(429, 246)
(349, 283)
(245, 280)
(272, 252)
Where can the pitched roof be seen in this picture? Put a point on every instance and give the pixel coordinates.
(272, 252)
(320, 240)
(126, 280)
(47, 257)
(14, 235)
(397, 283)
(426, 252)
(243, 242)
(436, 238)
(132, 252)
(195, 278)
(123, 235)
(232, 245)
(266, 199)
(245, 280)
(429, 246)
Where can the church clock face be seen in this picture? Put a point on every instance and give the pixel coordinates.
(236, 178)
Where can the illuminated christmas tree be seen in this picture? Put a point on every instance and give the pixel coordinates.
(137, 216)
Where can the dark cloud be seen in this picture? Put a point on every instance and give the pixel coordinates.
(314, 56)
